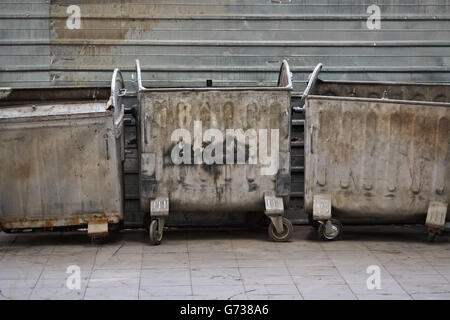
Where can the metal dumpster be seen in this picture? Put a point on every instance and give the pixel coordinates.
(215, 149)
(376, 153)
(60, 158)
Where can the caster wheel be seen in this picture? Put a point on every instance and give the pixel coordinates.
(285, 235)
(332, 233)
(155, 236)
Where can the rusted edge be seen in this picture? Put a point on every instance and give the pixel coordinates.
(5, 92)
(80, 220)
(413, 102)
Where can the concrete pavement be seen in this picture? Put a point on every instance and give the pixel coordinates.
(226, 264)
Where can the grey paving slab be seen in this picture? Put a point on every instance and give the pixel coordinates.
(271, 289)
(383, 296)
(299, 263)
(275, 297)
(165, 260)
(159, 277)
(250, 254)
(114, 278)
(386, 288)
(174, 246)
(162, 297)
(112, 260)
(213, 259)
(16, 294)
(306, 255)
(224, 264)
(265, 263)
(431, 296)
(56, 293)
(326, 292)
(152, 291)
(222, 292)
(112, 293)
(413, 267)
(308, 280)
(216, 277)
(314, 271)
(16, 289)
(38, 250)
(215, 245)
(422, 279)
(345, 245)
(266, 275)
(21, 273)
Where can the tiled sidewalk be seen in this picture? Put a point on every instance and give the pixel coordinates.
(232, 264)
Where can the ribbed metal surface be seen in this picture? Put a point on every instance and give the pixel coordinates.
(181, 42)
(379, 159)
(60, 165)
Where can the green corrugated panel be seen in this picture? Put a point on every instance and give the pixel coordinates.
(183, 42)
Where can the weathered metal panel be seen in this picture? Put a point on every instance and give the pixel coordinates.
(199, 186)
(60, 160)
(379, 159)
(182, 43)
(384, 90)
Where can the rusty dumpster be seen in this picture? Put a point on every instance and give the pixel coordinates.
(376, 153)
(61, 158)
(215, 149)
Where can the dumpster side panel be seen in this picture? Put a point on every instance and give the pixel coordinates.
(379, 160)
(208, 187)
(61, 171)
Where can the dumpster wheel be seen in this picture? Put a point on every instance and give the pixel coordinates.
(330, 230)
(283, 236)
(155, 235)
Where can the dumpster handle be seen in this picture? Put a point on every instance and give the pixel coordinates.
(312, 81)
(117, 91)
(139, 75)
(145, 129)
(285, 76)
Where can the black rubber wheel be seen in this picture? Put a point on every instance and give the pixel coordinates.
(155, 236)
(285, 235)
(335, 232)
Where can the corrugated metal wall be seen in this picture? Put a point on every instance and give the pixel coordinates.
(236, 41)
